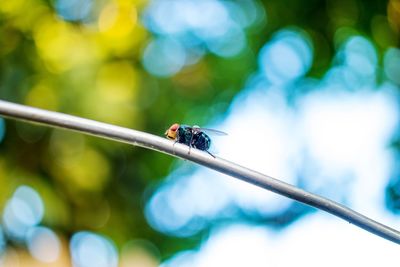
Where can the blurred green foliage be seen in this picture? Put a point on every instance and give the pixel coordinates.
(93, 69)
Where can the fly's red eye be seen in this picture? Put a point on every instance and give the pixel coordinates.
(174, 127)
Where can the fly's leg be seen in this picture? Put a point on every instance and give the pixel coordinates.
(210, 154)
(190, 142)
(173, 146)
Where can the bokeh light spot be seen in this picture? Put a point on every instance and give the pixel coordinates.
(2, 241)
(158, 17)
(89, 249)
(360, 55)
(392, 64)
(118, 20)
(232, 44)
(181, 259)
(116, 88)
(42, 96)
(24, 210)
(28, 204)
(55, 40)
(381, 32)
(88, 171)
(73, 10)
(108, 17)
(78, 166)
(246, 13)
(43, 244)
(119, 30)
(162, 216)
(164, 57)
(286, 57)
(12, 7)
(116, 82)
(208, 19)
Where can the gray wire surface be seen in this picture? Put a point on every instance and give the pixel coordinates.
(137, 138)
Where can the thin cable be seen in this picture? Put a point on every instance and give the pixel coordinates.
(137, 138)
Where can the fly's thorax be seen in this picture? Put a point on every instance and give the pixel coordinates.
(184, 135)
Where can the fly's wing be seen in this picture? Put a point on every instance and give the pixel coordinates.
(211, 131)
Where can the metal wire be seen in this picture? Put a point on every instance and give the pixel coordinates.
(149, 141)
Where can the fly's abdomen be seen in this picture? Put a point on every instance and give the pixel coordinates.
(201, 141)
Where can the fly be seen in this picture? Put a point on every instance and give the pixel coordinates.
(192, 136)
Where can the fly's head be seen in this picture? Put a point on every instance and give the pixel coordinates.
(171, 132)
